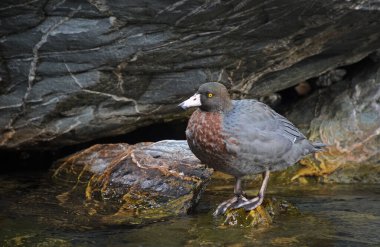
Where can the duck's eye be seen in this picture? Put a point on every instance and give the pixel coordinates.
(210, 95)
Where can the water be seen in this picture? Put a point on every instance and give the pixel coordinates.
(330, 215)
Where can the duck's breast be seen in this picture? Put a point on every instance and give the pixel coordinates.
(205, 137)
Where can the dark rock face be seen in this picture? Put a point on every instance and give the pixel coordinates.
(130, 184)
(346, 116)
(73, 71)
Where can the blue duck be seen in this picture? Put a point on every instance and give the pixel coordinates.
(242, 137)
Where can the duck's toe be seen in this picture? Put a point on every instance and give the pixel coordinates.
(249, 205)
(230, 203)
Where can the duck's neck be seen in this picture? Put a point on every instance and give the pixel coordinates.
(227, 105)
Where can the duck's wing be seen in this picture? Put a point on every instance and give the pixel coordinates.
(286, 128)
(253, 128)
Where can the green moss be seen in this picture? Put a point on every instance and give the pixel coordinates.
(262, 215)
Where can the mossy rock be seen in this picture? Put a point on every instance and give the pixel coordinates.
(262, 215)
(131, 184)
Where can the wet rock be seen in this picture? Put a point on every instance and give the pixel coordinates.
(74, 71)
(36, 240)
(262, 215)
(346, 116)
(132, 184)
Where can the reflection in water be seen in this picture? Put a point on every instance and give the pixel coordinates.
(331, 215)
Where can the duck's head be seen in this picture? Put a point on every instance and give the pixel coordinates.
(210, 97)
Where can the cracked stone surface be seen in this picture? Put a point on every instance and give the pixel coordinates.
(132, 184)
(347, 117)
(74, 71)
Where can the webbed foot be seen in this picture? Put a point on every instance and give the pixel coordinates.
(224, 206)
(239, 201)
(251, 204)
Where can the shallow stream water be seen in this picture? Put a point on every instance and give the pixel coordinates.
(330, 215)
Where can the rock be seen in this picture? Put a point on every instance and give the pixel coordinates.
(75, 71)
(262, 215)
(346, 116)
(330, 77)
(132, 184)
(36, 240)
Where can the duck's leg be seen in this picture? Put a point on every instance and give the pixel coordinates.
(238, 198)
(249, 205)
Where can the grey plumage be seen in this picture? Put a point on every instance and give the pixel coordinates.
(264, 139)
